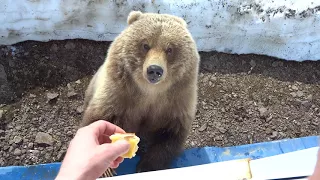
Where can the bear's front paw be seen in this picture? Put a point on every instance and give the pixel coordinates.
(149, 164)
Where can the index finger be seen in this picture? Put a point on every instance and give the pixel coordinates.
(104, 127)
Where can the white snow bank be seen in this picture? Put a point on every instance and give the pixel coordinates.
(287, 29)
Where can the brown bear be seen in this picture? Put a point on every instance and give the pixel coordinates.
(148, 86)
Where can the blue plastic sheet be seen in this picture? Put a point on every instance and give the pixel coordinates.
(190, 157)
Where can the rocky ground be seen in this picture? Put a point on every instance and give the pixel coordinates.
(242, 99)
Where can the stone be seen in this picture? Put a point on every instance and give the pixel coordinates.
(309, 97)
(17, 139)
(32, 96)
(205, 79)
(50, 130)
(263, 112)
(6, 148)
(69, 133)
(1, 114)
(269, 118)
(43, 139)
(11, 149)
(52, 96)
(282, 134)
(218, 138)
(58, 145)
(294, 87)
(79, 109)
(17, 152)
(222, 130)
(35, 152)
(293, 94)
(213, 78)
(274, 134)
(299, 93)
(315, 122)
(192, 143)
(30, 145)
(71, 94)
(203, 127)
(11, 142)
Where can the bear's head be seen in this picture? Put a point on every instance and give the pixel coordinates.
(157, 51)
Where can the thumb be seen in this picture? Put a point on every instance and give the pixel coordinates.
(111, 151)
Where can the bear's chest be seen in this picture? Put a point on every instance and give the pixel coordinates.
(146, 115)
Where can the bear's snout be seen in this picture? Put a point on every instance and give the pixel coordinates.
(154, 73)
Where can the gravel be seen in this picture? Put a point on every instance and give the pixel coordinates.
(242, 99)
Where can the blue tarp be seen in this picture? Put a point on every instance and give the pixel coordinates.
(190, 157)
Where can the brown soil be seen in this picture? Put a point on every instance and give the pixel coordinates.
(242, 98)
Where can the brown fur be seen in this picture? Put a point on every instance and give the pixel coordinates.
(161, 114)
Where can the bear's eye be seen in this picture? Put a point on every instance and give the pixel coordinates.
(146, 47)
(169, 51)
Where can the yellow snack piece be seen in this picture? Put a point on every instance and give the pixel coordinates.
(131, 138)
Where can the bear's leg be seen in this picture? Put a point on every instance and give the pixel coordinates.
(95, 112)
(166, 146)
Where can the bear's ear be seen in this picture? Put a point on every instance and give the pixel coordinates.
(133, 16)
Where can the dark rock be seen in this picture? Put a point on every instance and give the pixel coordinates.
(52, 96)
(30, 145)
(300, 93)
(17, 152)
(72, 94)
(17, 139)
(79, 109)
(203, 127)
(44, 139)
(274, 134)
(263, 112)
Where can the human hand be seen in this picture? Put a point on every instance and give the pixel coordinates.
(316, 173)
(90, 152)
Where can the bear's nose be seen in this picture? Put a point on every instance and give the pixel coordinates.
(154, 73)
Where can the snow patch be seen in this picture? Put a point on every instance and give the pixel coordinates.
(287, 29)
